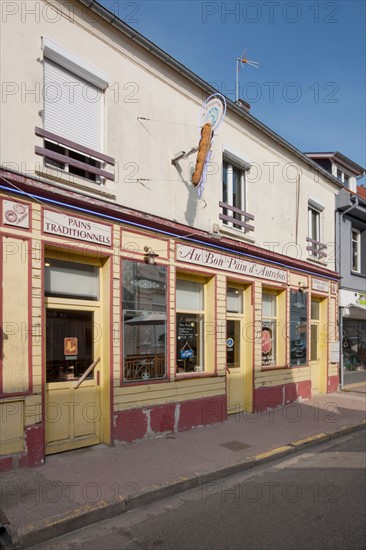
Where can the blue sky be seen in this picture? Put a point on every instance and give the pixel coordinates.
(310, 84)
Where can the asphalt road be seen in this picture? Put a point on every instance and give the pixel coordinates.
(314, 500)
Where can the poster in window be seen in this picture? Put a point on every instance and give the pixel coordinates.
(267, 345)
(186, 330)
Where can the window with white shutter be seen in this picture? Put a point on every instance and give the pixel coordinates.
(73, 111)
(72, 106)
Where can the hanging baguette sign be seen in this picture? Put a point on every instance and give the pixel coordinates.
(212, 114)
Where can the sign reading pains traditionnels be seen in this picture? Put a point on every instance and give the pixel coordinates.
(62, 225)
(207, 258)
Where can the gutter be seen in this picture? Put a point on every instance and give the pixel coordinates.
(112, 19)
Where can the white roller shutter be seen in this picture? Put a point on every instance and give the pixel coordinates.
(72, 107)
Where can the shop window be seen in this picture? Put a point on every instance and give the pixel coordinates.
(273, 328)
(144, 321)
(269, 329)
(298, 327)
(71, 280)
(195, 328)
(190, 322)
(234, 311)
(354, 344)
(234, 300)
(314, 330)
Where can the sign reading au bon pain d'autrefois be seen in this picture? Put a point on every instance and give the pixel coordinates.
(199, 256)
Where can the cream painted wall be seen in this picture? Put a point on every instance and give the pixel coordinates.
(142, 86)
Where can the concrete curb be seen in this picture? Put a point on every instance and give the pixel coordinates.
(344, 430)
(279, 452)
(310, 441)
(88, 514)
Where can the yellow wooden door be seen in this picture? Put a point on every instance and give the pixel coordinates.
(314, 357)
(235, 366)
(72, 411)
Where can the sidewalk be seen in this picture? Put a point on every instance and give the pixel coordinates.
(75, 489)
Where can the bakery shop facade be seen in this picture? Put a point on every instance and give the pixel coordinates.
(167, 259)
(115, 331)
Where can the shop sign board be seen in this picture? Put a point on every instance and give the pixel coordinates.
(319, 284)
(63, 225)
(16, 214)
(214, 260)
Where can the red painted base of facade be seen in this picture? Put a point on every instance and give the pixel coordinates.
(135, 424)
(6, 463)
(34, 453)
(278, 396)
(333, 383)
(148, 422)
(34, 444)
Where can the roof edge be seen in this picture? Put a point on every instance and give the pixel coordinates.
(342, 159)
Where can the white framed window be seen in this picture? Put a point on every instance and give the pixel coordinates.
(233, 192)
(73, 107)
(73, 115)
(356, 250)
(316, 249)
(343, 177)
(234, 185)
(314, 224)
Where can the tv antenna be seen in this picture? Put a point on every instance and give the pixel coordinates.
(242, 59)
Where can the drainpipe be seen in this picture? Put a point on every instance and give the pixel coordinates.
(341, 346)
(341, 308)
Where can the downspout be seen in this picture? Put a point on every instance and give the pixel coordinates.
(341, 366)
(341, 308)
